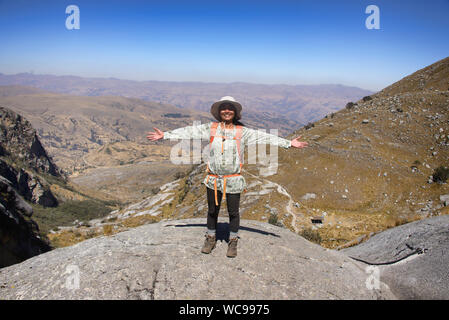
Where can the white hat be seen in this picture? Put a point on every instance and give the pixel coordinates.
(214, 109)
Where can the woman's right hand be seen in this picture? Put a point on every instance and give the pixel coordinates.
(155, 135)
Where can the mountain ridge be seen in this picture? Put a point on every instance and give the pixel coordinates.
(308, 102)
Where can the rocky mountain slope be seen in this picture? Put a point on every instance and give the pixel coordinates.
(35, 195)
(282, 105)
(24, 170)
(163, 261)
(23, 159)
(19, 234)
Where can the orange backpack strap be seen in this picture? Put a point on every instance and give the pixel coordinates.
(238, 139)
(213, 130)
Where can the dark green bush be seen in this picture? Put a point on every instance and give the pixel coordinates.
(367, 98)
(440, 174)
(311, 235)
(350, 105)
(273, 219)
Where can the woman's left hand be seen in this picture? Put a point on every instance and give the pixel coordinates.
(299, 144)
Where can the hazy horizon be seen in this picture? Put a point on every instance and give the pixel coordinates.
(179, 81)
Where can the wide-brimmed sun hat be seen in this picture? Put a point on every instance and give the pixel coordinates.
(215, 108)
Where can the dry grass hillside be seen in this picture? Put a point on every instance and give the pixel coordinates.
(371, 166)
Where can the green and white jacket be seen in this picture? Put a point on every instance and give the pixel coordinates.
(226, 162)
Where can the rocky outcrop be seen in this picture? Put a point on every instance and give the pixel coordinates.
(27, 159)
(23, 163)
(19, 238)
(19, 140)
(163, 261)
(28, 185)
(413, 258)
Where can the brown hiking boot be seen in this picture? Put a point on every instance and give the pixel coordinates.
(232, 248)
(209, 244)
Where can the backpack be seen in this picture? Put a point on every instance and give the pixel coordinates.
(237, 138)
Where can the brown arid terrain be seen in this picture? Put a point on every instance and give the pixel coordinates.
(70, 127)
(369, 167)
(100, 141)
(283, 105)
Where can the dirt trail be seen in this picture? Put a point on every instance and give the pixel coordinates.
(290, 205)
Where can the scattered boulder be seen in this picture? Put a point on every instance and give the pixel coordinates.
(444, 198)
(308, 196)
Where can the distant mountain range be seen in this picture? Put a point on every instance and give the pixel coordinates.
(289, 103)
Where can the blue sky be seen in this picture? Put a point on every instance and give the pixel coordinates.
(290, 42)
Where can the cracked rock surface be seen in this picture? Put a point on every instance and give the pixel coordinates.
(413, 258)
(163, 261)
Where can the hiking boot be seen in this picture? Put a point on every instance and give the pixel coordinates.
(232, 248)
(209, 244)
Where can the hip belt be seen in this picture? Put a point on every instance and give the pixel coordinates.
(224, 183)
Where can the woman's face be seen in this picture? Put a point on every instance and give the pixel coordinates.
(227, 113)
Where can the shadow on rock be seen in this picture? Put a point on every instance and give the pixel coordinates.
(223, 230)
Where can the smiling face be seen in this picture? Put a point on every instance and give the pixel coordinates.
(227, 112)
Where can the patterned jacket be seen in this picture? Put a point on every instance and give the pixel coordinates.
(226, 162)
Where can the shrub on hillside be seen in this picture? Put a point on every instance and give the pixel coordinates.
(309, 125)
(311, 235)
(350, 105)
(273, 219)
(367, 98)
(440, 174)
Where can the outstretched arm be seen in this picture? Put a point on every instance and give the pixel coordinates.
(155, 135)
(252, 136)
(298, 144)
(199, 131)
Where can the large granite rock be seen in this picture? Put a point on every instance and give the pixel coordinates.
(413, 258)
(163, 261)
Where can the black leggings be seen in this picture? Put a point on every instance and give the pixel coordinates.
(232, 200)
